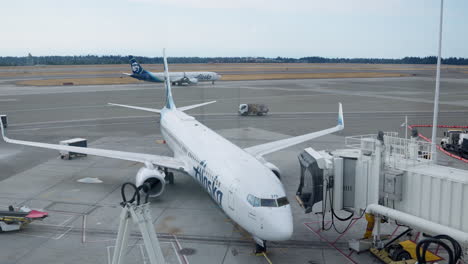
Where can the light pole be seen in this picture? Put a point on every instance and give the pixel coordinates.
(436, 96)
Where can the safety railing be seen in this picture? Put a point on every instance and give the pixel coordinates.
(397, 152)
(401, 152)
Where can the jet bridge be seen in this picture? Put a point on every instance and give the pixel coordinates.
(389, 177)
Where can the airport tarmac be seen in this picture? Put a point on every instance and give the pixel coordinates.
(84, 216)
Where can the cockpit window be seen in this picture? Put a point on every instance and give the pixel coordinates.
(268, 203)
(282, 201)
(256, 202)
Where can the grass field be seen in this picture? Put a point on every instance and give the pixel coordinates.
(324, 75)
(79, 81)
(228, 77)
(53, 73)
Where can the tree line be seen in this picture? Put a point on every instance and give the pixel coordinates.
(116, 59)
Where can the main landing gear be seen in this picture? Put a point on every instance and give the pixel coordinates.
(169, 176)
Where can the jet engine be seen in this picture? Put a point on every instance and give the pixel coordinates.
(274, 169)
(193, 80)
(153, 179)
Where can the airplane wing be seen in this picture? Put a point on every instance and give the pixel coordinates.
(128, 74)
(263, 149)
(164, 161)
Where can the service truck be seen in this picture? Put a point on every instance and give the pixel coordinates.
(253, 109)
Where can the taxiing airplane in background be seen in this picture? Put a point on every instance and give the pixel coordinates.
(177, 78)
(240, 181)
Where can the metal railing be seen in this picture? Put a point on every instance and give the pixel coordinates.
(401, 152)
(398, 152)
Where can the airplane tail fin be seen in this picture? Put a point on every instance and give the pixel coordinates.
(169, 100)
(340, 116)
(136, 67)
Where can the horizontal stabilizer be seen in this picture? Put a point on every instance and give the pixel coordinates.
(183, 108)
(138, 108)
(188, 107)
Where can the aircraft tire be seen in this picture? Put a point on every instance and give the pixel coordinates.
(170, 177)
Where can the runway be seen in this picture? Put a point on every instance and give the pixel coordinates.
(39, 179)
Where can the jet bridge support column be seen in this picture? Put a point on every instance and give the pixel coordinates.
(140, 214)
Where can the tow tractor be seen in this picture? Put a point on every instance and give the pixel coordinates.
(456, 141)
(16, 218)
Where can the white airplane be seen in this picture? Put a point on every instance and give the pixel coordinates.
(241, 182)
(177, 78)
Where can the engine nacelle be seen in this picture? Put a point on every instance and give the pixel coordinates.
(274, 169)
(193, 80)
(154, 178)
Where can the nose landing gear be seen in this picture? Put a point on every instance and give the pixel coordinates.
(260, 249)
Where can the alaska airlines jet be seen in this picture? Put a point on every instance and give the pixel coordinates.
(240, 181)
(177, 78)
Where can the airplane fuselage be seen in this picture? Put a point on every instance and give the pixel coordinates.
(232, 177)
(178, 77)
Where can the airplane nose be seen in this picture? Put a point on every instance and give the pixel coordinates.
(281, 226)
(218, 76)
(285, 229)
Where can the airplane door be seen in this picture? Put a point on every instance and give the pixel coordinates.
(232, 202)
(232, 196)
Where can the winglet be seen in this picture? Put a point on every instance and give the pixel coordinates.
(3, 130)
(340, 116)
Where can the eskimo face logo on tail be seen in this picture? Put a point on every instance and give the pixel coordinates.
(136, 67)
(212, 187)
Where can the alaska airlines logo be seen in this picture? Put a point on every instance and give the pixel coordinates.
(212, 187)
(204, 76)
(135, 67)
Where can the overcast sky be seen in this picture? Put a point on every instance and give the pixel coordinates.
(269, 28)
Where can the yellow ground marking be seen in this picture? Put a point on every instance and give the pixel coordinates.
(266, 257)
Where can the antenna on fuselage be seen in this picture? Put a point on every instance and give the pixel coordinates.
(169, 100)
